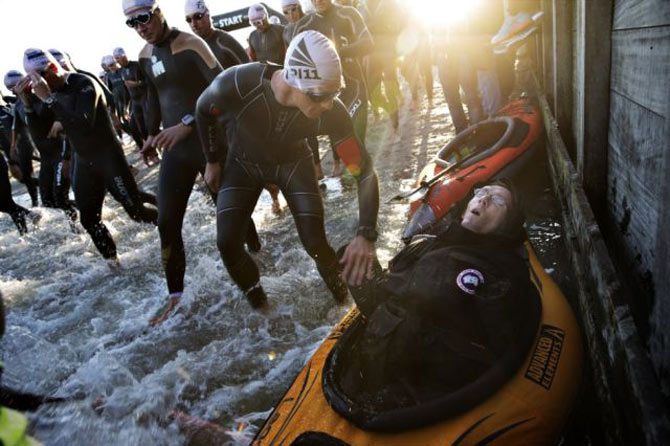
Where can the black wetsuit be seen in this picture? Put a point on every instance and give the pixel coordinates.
(25, 148)
(53, 183)
(132, 72)
(177, 71)
(7, 204)
(100, 163)
(384, 20)
(346, 28)
(226, 49)
(268, 45)
(267, 146)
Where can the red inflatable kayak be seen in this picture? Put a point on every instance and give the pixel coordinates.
(494, 148)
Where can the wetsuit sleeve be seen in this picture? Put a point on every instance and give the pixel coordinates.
(205, 60)
(39, 126)
(219, 96)
(153, 106)
(363, 44)
(234, 50)
(80, 118)
(338, 126)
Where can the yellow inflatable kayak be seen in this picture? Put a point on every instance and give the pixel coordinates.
(529, 409)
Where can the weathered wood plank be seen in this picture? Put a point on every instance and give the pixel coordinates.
(640, 67)
(597, 55)
(659, 339)
(641, 13)
(633, 409)
(562, 91)
(636, 157)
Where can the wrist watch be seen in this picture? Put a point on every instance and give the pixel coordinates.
(50, 101)
(370, 234)
(188, 120)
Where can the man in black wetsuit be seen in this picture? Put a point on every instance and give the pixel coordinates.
(135, 85)
(79, 104)
(7, 204)
(268, 112)
(226, 49)
(346, 28)
(292, 9)
(46, 134)
(19, 145)
(266, 42)
(178, 67)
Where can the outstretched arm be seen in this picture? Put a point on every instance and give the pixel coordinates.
(359, 257)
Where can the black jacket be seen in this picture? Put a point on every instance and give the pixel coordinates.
(446, 310)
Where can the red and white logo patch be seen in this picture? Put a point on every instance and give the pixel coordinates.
(469, 280)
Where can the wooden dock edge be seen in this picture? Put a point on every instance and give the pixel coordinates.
(631, 405)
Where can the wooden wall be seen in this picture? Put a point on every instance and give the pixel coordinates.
(608, 88)
(637, 220)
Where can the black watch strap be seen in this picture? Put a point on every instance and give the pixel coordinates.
(370, 234)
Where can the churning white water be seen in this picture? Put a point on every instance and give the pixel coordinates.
(77, 329)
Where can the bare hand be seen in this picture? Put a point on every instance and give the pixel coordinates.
(213, 177)
(148, 152)
(56, 128)
(171, 136)
(40, 86)
(22, 90)
(132, 84)
(357, 261)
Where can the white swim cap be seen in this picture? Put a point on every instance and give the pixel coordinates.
(257, 12)
(118, 52)
(275, 20)
(12, 78)
(312, 61)
(130, 6)
(35, 59)
(195, 6)
(285, 3)
(108, 60)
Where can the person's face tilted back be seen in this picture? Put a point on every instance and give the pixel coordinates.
(487, 210)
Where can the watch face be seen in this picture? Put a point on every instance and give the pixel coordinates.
(188, 120)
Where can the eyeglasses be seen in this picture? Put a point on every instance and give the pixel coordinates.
(140, 19)
(290, 10)
(496, 199)
(194, 17)
(258, 22)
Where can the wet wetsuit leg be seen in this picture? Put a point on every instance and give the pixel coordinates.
(48, 165)
(7, 204)
(175, 182)
(89, 193)
(448, 73)
(122, 186)
(235, 203)
(297, 181)
(61, 185)
(137, 118)
(26, 164)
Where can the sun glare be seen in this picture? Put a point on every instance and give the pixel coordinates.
(435, 12)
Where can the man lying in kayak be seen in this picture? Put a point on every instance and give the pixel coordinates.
(448, 307)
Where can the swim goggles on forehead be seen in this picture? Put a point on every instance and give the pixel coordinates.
(495, 198)
(290, 9)
(140, 19)
(196, 16)
(258, 22)
(321, 97)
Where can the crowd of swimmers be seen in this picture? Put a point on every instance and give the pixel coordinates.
(244, 119)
